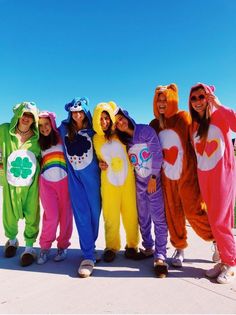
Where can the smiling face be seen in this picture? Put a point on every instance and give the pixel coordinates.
(198, 101)
(122, 123)
(105, 121)
(78, 118)
(161, 103)
(26, 120)
(45, 126)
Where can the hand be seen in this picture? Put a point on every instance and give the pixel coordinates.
(152, 186)
(103, 165)
(213, 100)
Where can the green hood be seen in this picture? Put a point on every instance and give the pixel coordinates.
(19, 110)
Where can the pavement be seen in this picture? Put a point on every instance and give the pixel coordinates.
(121, 287)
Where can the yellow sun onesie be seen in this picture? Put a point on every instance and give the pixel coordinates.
(117, 184)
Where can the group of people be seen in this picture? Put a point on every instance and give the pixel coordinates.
(180, 167)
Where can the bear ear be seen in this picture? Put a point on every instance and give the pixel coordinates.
(173, 87)
(67, 106)
(85, 100)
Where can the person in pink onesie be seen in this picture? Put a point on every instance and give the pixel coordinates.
(53, 191)
(210, 132)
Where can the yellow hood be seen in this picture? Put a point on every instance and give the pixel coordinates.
(109, 107)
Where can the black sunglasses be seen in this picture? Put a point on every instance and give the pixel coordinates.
(195, 98)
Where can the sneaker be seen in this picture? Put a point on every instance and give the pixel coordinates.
(131, 253)
(61, 255)
(177, 258)
(43, 257)
(28, 257)
(86, 268)
(160, 268)
(216, 254)
(215, 271)
(109, 255)
(227, 274)
(11, 248)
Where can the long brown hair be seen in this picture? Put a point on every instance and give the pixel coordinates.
(46, 142)
(204, 122)
(123, 136)
(109, 132)
(72, 127)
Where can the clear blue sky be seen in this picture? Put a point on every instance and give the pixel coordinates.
(54, 50)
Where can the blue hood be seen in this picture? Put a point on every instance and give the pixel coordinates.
(78, 104)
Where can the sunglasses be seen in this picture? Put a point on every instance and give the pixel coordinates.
(195, 98)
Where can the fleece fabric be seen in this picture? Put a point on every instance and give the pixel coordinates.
(20, 178)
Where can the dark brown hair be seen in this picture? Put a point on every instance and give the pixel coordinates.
(123, 136)
(46, 142)
(109, 132)
(203, 122)
(72, 127)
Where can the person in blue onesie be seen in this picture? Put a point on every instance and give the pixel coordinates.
(84, 178)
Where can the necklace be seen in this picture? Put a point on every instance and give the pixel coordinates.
(23, 132)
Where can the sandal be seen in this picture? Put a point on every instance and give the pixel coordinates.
(86, 268)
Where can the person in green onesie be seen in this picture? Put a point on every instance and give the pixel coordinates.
(20, 155)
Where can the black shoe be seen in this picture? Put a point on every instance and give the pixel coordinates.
(10, 249)
(131, 253)
(109, 255)
(27, 258)
(161, 269)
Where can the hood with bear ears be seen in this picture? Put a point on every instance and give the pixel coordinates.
(76, 105)
(19, 110)
(51, 116)
(171, 94)
(109, 107)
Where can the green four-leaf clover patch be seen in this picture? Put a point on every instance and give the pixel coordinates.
(21, 167)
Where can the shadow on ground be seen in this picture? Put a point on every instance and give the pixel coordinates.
(121, 267)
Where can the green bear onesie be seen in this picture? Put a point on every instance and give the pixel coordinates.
(20, 178)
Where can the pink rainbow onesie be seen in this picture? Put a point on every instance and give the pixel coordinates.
(54, 195)
(217, 176)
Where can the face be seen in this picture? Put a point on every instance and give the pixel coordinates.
(26, 120)
(161, 103)
(105, 121)
(78, 117)
(198, 101)
(45, 126)
(122, 123)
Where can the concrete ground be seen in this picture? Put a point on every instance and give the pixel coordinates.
(124, 286)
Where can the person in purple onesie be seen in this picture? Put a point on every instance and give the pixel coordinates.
(145, 154)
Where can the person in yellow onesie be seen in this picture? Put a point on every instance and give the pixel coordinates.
(117, 184)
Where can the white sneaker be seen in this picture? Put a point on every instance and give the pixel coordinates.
(215, 271)
(61, 255)
(86, 268)
(216, 254)
(43, 257)
(227, 274)
(177, 258)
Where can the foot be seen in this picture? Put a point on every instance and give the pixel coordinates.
(160, 268)
(144, 253)
(227, 275)
(131, 253)
(86, 268)
(11, 248)
(109, 255)
(43, 257)
(61, 255)
(177, 258)
(216, 254)
(28, 257)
